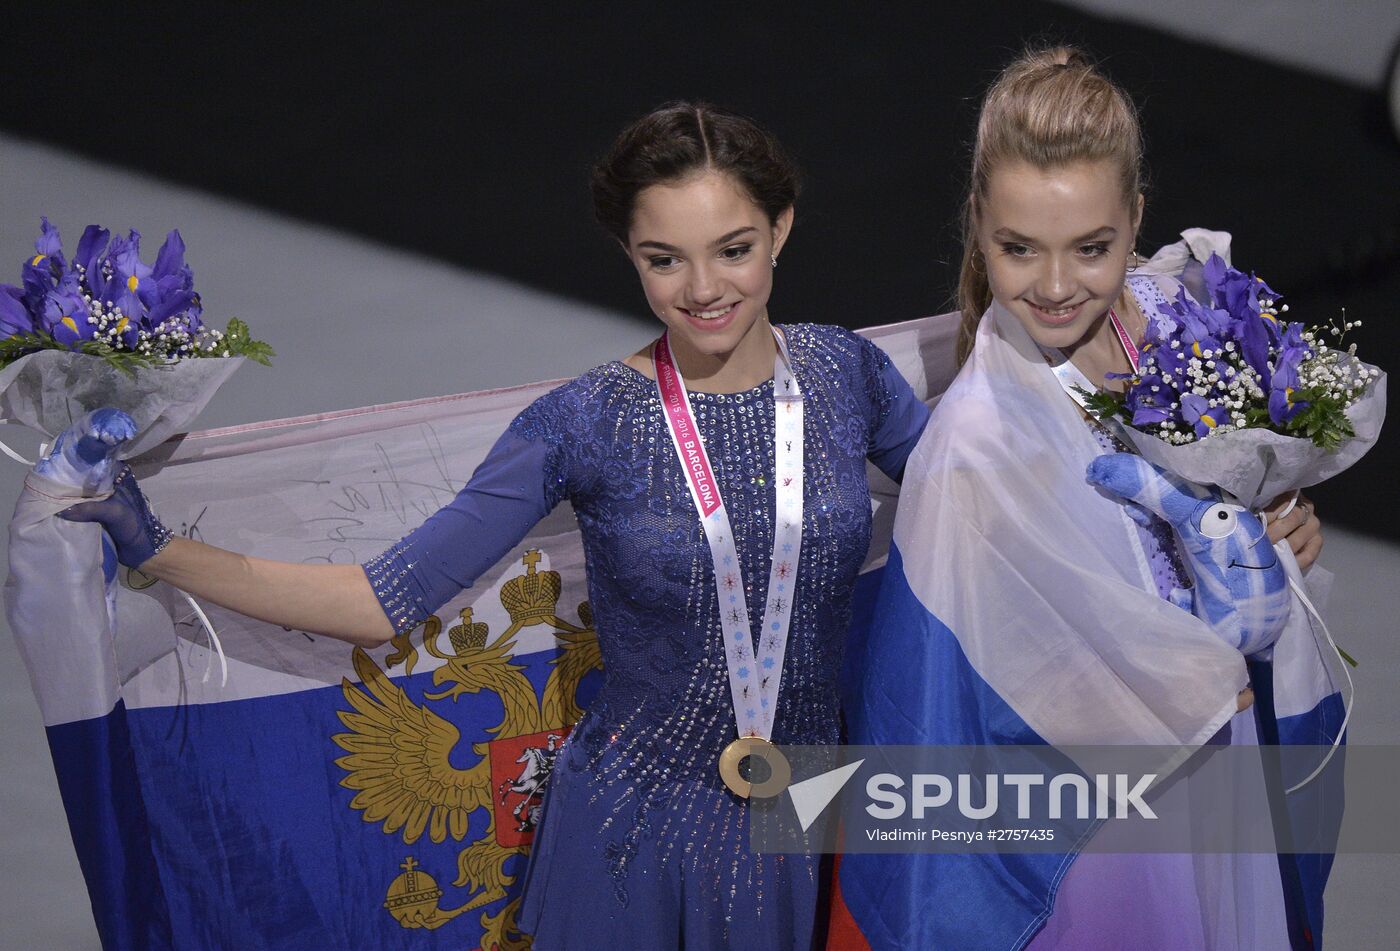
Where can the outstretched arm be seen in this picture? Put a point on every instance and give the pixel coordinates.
(325, 599)
(335, 600)
(512, 489)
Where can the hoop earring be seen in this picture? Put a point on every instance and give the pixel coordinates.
(774, 259)
(976, 262)
(1137, 261)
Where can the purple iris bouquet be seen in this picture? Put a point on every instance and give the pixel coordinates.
(109, 303)
(1229, 392)
(1233, 363)
(105, 328)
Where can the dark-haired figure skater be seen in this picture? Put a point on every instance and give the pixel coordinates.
(719, 480)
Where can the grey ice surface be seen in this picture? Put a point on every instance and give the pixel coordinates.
(1349, 40)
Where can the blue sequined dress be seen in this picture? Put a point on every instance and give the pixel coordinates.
(640, 844)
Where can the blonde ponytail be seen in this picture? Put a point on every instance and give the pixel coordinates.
(1050, 108)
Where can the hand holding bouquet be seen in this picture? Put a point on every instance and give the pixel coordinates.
(1227, 393)
(105, 329)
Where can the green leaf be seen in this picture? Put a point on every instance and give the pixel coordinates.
(238, 342)
(123, 360)
(1323, 420)
(1103, 404)
(21, 345)
(1257, 417)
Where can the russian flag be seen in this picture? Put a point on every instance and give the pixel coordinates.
(324, 796)
(1000, 900)
(1017, 607)
(932, 901)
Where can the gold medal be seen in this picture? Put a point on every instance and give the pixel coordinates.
(755, 698)
(779, 772)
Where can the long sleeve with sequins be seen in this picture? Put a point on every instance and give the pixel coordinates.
(895, 415)
(508, 493)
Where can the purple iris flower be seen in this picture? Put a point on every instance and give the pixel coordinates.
(1162, 328)
(133, 288)
(1172, 362)
(1160, 325)
(14, 318)
(173, 303)
(1199, 412)
(38, 279)
(52, 295)
(1151, 415)
(150, 295)
(1235, 291)
(170, 262)
(108, 269)
(174, 285)
(1293, 352)
(1202, 326)
(1149, 399)
(90, 255)
(64, 313)
(50, 248)
(1228, 287)
(1148, 407)
(1238, 293)
(1257, 336)
(42, 272)
(194, 313)
(1232, 330)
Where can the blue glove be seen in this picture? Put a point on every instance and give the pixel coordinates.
(135, 531)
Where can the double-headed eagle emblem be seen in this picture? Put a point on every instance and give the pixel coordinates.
(399, 755)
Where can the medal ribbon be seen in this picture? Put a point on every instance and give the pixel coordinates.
(754, 677)
(1070, 376)
(1129, 347)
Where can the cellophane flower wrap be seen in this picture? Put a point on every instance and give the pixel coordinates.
(1230, 393)
(106, 329)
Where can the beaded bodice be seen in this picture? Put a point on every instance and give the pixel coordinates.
(651, 739)
(665, 701)
(646, 752)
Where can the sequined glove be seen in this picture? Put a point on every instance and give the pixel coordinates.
(126, 516)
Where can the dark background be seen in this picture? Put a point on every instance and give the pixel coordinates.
(465, 132)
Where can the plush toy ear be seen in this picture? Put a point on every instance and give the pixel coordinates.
(1127, 476)
(1134, 479)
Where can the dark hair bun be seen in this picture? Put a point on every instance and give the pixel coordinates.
(679, 139)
